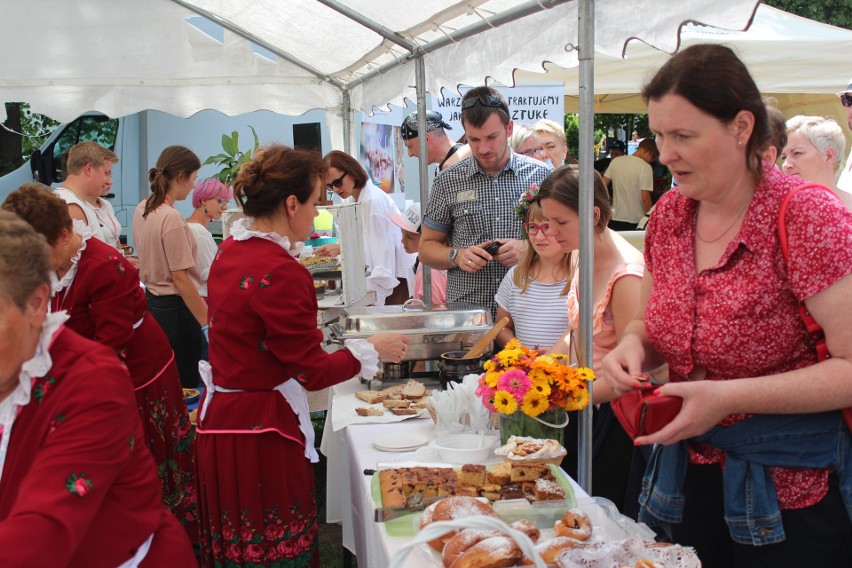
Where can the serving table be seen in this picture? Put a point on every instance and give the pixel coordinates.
(349, 499)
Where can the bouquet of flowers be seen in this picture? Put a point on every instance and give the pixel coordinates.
(520, 378)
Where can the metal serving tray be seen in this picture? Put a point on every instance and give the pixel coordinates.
(431, 330)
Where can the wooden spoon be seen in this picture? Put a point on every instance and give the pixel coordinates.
(479, 347)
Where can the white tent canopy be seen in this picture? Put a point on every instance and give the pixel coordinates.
(124, 56)
(799, 62)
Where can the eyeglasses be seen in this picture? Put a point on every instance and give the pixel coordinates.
(336, 183)
(486, 101)
(532, 151)
(846, 100)
(223, 202)
(532, 229)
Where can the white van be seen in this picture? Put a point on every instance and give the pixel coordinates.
(139, 138)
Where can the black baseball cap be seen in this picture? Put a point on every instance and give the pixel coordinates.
(434, 120)
(616, 144)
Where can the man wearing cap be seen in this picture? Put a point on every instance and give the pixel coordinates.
(409, 222)
(615, 148)
(440, 149)
(632, 184)
(471, 206)
(845, 181)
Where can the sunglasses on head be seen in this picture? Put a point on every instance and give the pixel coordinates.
(846, 100)
(486, 101)
(336, 183)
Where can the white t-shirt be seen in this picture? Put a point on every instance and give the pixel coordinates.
(205, 254)
(539, 314)
(110, 227)
(384, 254)
(101, 222)
(630, 176)
(845, 181)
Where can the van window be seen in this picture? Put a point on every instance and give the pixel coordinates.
(95, 128)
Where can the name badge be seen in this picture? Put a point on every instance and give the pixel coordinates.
(469, 195)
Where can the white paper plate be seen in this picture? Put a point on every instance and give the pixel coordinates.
(400, 442)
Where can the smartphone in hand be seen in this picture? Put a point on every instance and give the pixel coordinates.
(493, 248)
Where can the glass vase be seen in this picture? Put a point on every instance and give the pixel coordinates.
(550, 424)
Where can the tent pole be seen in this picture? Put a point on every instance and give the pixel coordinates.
(586, 26)
(510, 15)
(347, 122)
(383, 31)
(423, 155)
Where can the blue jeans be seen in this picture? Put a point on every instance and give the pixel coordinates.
(183, 332)
(751, 447)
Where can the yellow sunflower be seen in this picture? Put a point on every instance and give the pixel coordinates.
(578, 398)
(540, 388)
(534, 404)
(543, 362)
(585, 374)
(490, 379)
(540, 376)
(504, 402)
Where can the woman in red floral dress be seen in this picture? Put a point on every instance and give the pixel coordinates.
(255, 438)
(720, 305)
(100, 292)
(77, 489)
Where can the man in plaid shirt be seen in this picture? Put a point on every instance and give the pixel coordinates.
(472, 203)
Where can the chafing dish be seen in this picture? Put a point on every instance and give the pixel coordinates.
(431, 329)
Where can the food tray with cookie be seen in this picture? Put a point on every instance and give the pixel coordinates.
(520, 449)
(544, 489)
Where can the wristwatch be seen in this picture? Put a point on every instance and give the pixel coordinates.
(452, 255)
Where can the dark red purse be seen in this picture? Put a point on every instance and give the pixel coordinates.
(642, 412)
(814, 330)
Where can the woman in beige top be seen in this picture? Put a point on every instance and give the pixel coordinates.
(167, 266)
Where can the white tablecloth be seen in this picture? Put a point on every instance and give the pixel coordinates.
(348, 496)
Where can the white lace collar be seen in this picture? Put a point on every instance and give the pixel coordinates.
(58, 285)
(241, 231)
(36, 367)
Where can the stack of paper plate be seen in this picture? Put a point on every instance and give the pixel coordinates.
(400, 442)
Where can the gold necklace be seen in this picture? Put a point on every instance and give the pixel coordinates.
(725, 232)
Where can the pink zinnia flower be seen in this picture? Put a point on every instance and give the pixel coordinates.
(515, 382)
(486, 393)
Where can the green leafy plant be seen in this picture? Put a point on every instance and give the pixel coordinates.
(232, 158)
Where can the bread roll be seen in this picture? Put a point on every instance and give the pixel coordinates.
(494, 552)
(461, 541)
(451, 508)
(550, 549)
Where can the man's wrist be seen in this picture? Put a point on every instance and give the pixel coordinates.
(451, 256)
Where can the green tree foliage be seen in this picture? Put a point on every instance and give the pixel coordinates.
(24, 132)
(835, 12)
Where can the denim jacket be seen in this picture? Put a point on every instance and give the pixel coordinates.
(819, 440)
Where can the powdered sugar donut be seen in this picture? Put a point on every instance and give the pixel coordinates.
(574, 524)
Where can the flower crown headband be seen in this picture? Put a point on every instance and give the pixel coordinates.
(524, 202)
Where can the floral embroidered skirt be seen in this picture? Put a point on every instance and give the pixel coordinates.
(169, 436)
(257, 502)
